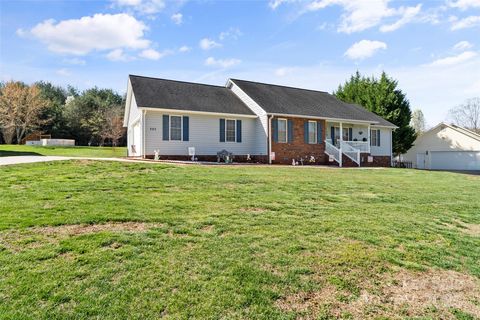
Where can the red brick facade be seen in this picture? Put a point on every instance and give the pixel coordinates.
(297, 149)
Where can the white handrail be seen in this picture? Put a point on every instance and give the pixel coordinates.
(363, 146)
(350, 152)
(333, 151)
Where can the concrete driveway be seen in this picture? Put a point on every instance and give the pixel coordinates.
(4, 161)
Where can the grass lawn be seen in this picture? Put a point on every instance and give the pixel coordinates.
(74, 151)
(105, 240)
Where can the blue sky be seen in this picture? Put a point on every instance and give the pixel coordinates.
(431, 47)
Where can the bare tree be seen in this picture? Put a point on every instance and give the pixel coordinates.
(418, 121)
(112, 126)
(21, 108)
(467, 115)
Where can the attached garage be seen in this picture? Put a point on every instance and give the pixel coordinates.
(445, 147)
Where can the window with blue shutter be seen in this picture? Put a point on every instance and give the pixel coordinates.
(222, 130)
(319, 132)
(290, 130)
(166, 127)
(186, 129)
(275, 129)
(378, 138)
(332, 134)
(350, 134)
(239, 130)
(305, 132)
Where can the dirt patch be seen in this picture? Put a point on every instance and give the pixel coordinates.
(78, 229)
(434, 293)
(253, 209)
(207, 228)
(471, 229)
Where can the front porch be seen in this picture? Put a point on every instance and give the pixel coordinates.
(347, 139)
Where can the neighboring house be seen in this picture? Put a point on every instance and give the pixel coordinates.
(445, 147)
(251, 120)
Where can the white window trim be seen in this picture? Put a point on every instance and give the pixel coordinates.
(286, 130)
(235, 123)
(170, 127)
(316, 132)
(377, 143)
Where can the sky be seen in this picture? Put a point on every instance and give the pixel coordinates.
(431, 47)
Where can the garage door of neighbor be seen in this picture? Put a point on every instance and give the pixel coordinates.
(455, 160)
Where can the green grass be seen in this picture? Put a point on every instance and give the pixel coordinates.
(228, 242)
(74, 151)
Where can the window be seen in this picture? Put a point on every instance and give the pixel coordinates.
(375, 138)
(230, 130)
(312, 132)
(346, 134)
(282, 130)
(175, 128)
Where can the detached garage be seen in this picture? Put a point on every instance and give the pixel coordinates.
(446, 147)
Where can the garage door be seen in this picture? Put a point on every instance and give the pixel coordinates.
(455, 160)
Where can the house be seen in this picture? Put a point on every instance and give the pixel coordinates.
(445, 147)
(259, 122)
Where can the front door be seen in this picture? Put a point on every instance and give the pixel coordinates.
(420, 160)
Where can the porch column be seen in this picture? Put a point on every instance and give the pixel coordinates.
(341, 140)
(368, 138)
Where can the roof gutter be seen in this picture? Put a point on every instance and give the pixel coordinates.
(200, 112)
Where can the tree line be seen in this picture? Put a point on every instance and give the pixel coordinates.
(90, 117)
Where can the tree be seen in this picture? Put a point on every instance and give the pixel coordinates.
(381, 96)
(112, 128)
(418, 121)
(54, 111)
(21, 107)
(467, 114)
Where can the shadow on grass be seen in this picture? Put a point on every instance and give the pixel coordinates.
(7, 153)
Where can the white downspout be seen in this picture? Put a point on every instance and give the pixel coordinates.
(143, 135)
(341, 142)
(269, 139)
(368, 140)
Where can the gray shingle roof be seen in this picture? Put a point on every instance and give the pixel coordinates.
(278, 99)
(170, 94)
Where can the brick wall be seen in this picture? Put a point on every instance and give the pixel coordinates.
(285, 152)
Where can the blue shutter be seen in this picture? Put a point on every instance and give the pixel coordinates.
(186, 133)
(275, 129)
(378, 138)
(305, 132)
(350, 134)
(239, 130)
(332, 134)
(166, 127)
(222, 130)
(290, 130)
(319, 132)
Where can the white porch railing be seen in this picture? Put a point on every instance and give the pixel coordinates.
(332, 151)
(363, 146)
(350, 152)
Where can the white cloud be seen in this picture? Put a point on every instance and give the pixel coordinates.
(462, 45)
(274, 4)
(154, 54)
(63, 72)
(142, 6)
(454, 60)
(223, 63)
(207, 44)
(464, 4)
(281, 72)
(184, 49)
(233, 33)
(76, 61)
(468, 22)
(364, 49)
(117, 55)
(97, 32)
(21, 33)
(408, 15)
(177, 18)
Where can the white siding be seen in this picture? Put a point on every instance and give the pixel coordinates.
(385, 148)
(203, 135)
(441, 138)
(133, 117)
(262, 121)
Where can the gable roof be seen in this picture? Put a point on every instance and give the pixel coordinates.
(461, 130)
(185, 96)
(277, 99)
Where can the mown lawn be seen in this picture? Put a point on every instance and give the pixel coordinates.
(109, 240)
(74, 151)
